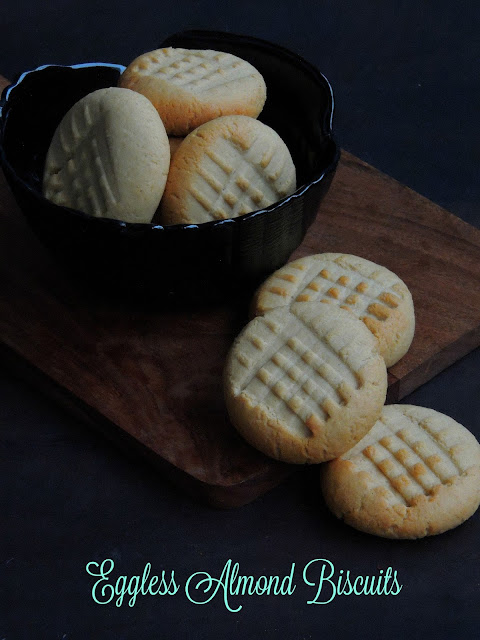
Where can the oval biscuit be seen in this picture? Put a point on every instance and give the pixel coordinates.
(225, 168)
(109, 157)
(189, 87)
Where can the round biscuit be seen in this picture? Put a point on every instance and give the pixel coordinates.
(369, 291)
(416, 473)
(189, 87)
(225, 168)
(109, 157)
(304, 384)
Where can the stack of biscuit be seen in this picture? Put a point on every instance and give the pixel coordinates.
(306, 381)
(181, 130)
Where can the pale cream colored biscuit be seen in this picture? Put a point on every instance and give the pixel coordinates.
(370, 292)
(109, 157)
(189, 87)
(226, 168)
(416, 473)
(305, 383)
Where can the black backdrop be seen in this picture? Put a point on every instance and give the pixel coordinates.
(407, 89)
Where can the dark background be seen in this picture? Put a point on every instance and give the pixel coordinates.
(407, 89)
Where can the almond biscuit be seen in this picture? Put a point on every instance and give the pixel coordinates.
(370, 292)
(189, 87)
(303, 384)
(109, 157)
(416, 473)
(226, 168)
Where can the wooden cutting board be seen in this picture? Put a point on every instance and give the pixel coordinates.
(152, 380)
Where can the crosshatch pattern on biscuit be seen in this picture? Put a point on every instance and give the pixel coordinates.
(366, 290)
(233, 180)
(300, 374)
(410, 457)
(94, 188)
(196, 71)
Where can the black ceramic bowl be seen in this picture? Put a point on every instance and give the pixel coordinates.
(184, 261)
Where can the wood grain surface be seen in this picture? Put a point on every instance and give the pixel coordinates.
(152, 380)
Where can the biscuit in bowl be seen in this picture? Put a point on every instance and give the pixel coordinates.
(109, 157)
(226, 168)
(191, 86)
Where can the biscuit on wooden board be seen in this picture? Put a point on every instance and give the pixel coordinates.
(109, 157)
(416, 473)
(369, 291)
(189, 87)
(304, 384)
(225, 168)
